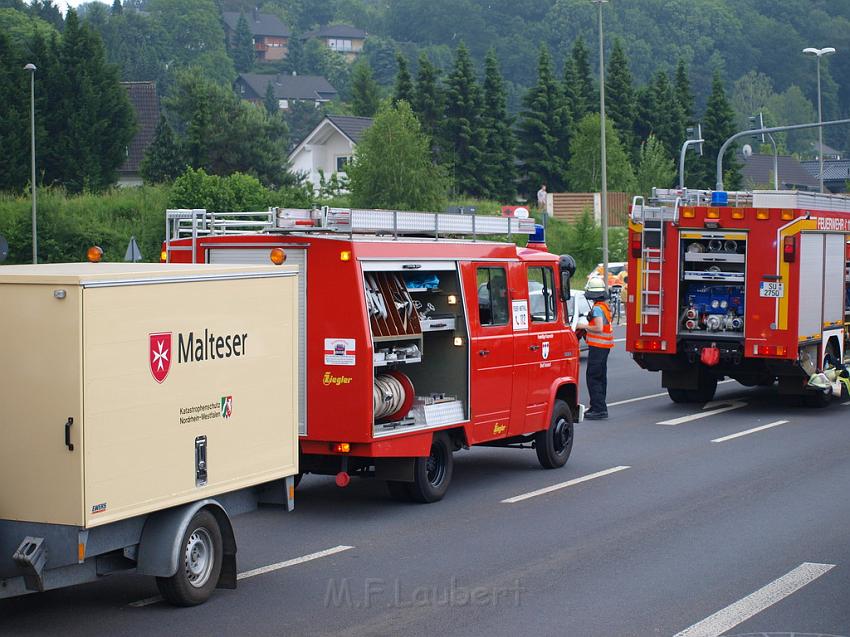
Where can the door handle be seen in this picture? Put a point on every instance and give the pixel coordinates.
(68, 442)
(483, 352)
(534, 348)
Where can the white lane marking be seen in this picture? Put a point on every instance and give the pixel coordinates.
(563, 485)
(261, 570)
(659, 395)
(619, 340)
(706, 412)
(847, 403)
(750, 431)
(756, 602)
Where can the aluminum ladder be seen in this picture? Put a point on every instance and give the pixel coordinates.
(654, 220)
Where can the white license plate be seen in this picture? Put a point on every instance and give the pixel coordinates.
(771, 289)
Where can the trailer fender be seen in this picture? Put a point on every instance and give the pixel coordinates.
(159, 546)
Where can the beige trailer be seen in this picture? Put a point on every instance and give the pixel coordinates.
(142, 405)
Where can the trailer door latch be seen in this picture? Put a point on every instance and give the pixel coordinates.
(68, 442)
(200, 461)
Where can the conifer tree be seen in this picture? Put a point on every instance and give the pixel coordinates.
(718, 126)
(270, 99)
(571, 89)
(295, 54)
(163, 162)
(620, 103)
(466, 137)
(365, 94)
(585, 88)
(117, 7)
(243, 45)
(14, 124)
(669, 119)
(545, 128)
(645, 110)
(683, 91)
(403, 82)
(428, 103)
(500, 168)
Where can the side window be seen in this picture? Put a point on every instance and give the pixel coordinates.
(492, 296)
(541, 294)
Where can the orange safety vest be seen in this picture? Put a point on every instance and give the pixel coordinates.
(606, 338)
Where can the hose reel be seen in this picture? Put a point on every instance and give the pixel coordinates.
(392, 396)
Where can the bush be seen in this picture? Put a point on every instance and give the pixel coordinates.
(69, 225)
(235, 193)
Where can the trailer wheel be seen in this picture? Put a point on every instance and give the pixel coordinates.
(554, 445)
(200, 563)
(432, 474)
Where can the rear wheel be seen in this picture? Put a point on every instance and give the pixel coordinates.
(398, 490)
(678, 395)
(705, 392)
(199, 565)
(553, 445)
(432, 474)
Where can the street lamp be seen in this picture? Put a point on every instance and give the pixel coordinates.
(31, 68)
(604, 193)
(819, 53)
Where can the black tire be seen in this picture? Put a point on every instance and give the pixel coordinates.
(199, 565)
(817, 399)
(398, 490)
(554, 444)
(433, 473)
(678, 395)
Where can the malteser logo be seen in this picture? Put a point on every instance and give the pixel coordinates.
(159, 355)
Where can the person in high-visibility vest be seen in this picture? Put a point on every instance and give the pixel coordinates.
(600, 341)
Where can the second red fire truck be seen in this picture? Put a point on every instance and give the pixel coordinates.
(749, 285)
(416, 337)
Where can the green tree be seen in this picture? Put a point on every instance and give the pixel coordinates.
(163, 162)
(322, 60)
(194, 37)
(365, 94)
(584, 87)
(620, 96)
(500, 171)
(586, 161)
(668, 122)
(403, 81)
(243, 45)
(428, 102)
(20, 28)
(466, 136)
(545, 128)
(684, 94)
(655, 168)
(301, 118)
(392, 165)
(137, 44)
(294, 62)
(14, 121)
(92, 120)
(718, 126)
(270, 100)
(117, 7)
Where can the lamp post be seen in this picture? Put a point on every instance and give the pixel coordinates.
(31, 68)
(819, 53)
(604, 193)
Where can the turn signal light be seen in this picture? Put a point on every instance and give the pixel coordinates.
(94, 254)
(650, 345)
(277, 256)
(342, 447)
(163, 256)
(789, 249)
(688, 213)
(713, 213)
(763, 213)
(769, 350)
(787, 215)
(738, 213)
(345, 255)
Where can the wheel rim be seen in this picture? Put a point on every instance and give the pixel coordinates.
(561, 436)
(436, 466)
(199, 558)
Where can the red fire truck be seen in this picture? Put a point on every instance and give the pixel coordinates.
(749, 285)
(414, 341)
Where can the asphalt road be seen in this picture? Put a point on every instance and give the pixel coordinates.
(670, 532)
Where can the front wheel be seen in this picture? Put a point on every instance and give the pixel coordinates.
(432, 474)
(553, 445)
(199, 565)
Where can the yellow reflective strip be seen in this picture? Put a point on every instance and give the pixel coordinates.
(785, 268)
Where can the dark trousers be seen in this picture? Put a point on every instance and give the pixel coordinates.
(597, 378)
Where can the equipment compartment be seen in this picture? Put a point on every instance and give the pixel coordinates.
(434, 391)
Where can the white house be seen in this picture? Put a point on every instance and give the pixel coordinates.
(328, 147)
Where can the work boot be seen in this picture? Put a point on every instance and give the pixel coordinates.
(596, 415)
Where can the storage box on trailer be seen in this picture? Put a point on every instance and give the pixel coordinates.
(130, 388)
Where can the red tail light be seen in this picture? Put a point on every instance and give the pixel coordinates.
(789, 249)
(636, 245)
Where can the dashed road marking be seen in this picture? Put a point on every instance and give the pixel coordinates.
(710, 409)
(750, 431)
(563, 485)
(261, 570)
(765, 597)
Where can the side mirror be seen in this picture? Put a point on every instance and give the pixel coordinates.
(567, 267)
(565, 286)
